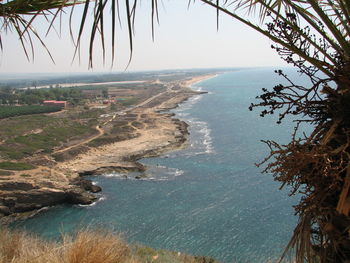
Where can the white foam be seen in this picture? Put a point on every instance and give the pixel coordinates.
(187, 105)
(161, 166)
(196, 88)
(161, 173)
(178, 172)
(182, 114)
(198, 129)
(153, 173)
(116, 175)
(102, 198)
(201, 140)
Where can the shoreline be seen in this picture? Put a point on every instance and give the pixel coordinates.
(63, 182)
(167, 133)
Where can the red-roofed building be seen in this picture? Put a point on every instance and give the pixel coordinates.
(59, 103)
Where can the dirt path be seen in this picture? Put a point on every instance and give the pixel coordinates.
(149, 100)
(99, 128)
(56, 112)
(100, 133)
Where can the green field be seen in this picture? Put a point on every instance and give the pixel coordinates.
(129, 101)
(24, 136)
(15, 166)
(11, 111)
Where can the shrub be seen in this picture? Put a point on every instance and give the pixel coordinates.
(16, 166)
(11, 111)
(5, 172)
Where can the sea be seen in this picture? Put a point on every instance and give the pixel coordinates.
(209, 198)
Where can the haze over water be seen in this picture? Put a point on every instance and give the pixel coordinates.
(208, 199)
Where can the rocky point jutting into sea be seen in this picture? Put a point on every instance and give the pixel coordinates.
(53, 182)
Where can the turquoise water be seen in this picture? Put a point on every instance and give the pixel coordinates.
(208, 199)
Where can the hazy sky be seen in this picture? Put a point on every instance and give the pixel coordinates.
(185, 38)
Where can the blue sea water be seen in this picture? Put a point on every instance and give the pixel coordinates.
(207, 199)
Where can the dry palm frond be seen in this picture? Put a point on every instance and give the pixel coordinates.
(18, 16)
(330, 19)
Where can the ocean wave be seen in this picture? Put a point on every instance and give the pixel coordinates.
(187, 105)
(115, 175)
(197, 88)
(152, 173)
(182, 114)
(162, 173)
(178, 172)
(101, 198)
(201, 139)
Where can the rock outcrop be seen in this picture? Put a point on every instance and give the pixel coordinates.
(19, 197)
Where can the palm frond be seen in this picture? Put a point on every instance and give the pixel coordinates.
(20, 14)
(27, 7)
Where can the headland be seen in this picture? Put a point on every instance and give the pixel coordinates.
(120, 138)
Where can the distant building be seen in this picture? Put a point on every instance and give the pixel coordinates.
(59, 103)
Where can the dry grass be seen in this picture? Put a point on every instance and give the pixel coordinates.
(91, 247)
(85, 247)
(16, 247)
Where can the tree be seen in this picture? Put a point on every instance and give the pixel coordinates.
(313, 36)
(105, 93)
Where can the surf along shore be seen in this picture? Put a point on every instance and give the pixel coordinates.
(151, 131)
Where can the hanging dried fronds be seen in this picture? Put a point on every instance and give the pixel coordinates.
(18, 15)
(317, 165)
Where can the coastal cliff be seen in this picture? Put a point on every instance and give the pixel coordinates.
(22, 196)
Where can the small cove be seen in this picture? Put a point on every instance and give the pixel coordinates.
(207, 199)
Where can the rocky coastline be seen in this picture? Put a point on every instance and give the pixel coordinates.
(64, 182)
(20, 199)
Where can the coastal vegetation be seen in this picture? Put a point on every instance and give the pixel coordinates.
(15, 166)
(27, 132)
(24, 136)
(11, 111)
(12, 96)
(86, 246)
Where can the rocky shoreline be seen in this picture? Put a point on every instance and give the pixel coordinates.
(129, 163)
(64, 182)
(23, 198)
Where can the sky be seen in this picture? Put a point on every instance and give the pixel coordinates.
(185, 38)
